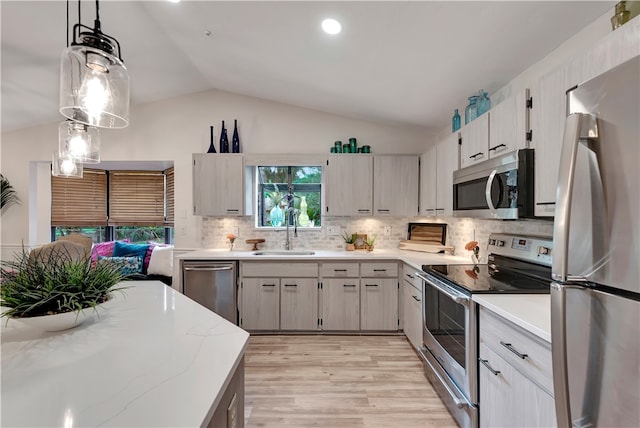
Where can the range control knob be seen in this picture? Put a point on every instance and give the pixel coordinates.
(499, 243)
(544, 251)
(492, 242)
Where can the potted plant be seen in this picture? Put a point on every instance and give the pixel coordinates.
(56, 289)
(349, 241)
(370, 241)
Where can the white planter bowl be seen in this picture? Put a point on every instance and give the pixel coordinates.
(58, 322)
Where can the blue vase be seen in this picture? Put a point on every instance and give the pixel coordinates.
(483, 104)
(455, 121)
(276, 216)
(471, 112)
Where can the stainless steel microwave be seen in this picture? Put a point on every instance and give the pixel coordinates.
(499, 188)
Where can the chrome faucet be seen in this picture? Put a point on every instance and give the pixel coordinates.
(290, 209)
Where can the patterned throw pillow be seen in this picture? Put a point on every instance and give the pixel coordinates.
(127, 265)
(104, 249)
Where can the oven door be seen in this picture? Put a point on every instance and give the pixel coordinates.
(450, 339)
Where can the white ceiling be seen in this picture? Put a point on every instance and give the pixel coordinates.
(394, 62)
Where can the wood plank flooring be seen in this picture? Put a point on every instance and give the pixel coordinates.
(338, 381)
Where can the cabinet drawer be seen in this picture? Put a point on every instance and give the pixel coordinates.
(409, 275)
(507, 339)
(340, 269)
(266, 269)
(379, 269)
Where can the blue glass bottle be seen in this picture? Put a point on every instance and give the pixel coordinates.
(235, 140)
(484, 103)
(455, 121)
(471, 112)
(224, 140)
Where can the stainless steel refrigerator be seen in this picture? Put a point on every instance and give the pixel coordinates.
(595, 297)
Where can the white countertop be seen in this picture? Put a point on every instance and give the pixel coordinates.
(414, 258)
(152, 358)
(530, 311)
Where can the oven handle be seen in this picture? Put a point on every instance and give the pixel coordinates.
(487, 190)
(450, 293)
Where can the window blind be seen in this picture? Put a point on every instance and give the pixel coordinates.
(136, 198)
(169, 216)
(79, 201)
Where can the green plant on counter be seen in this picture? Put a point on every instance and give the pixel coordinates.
(54, 282)
(349, 239)
(370, 241)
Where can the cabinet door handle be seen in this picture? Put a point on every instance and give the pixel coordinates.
(545, 203)
(383, 211)
(268, 285)
(486, 364)
(363, 210)
(416, 298)
(232, 210)
(512, 349)
(371, 285)
(379, 270)
(497, 147)
(479, 154)
(410, 276)
(339, 270)
(291, 285)
(348, 285)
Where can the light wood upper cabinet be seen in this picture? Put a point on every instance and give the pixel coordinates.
(349, 185)
(436, 177)
(218, 184)
(548, 115)
(508, 125)
(475, 141)
(395, 185)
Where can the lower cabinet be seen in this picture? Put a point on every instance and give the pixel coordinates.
(298, 304)
(412, 305)
(379, 304)
(516, 384)
(341, 304)
(260, 304)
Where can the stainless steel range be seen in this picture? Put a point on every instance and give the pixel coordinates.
(517, 264)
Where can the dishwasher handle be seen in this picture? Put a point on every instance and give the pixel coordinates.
(206, 268)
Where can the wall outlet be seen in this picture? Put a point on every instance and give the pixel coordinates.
(236, 231)
(386, 230)
(333, 230)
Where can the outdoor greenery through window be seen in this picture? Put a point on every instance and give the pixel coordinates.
(275, 208)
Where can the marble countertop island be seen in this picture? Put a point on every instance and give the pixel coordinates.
(152, 358)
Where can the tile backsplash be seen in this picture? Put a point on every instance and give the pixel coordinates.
(459, 232)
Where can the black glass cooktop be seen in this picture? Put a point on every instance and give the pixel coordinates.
(490, 279)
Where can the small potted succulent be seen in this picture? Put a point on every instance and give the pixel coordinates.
(55, 290)
(349, 241)
(370, 242)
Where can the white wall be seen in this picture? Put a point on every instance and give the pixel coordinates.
(173, 129)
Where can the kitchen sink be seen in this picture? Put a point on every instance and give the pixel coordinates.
(284, 253)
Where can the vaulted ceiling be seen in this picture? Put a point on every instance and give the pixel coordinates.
(394, 62)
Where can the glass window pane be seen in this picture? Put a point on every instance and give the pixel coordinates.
(141, 234)
(96, 233)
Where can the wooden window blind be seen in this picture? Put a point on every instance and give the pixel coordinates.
(79, 201)
(169, 215)
(136, 198)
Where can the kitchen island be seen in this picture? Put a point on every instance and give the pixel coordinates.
(153, 357)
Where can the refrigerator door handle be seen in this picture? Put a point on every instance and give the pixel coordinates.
(578, 127)
(559, 355)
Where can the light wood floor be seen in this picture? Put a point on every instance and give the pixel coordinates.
(338, 381)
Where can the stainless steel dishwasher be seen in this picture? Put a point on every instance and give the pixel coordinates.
(213, 285)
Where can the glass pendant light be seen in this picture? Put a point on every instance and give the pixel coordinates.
(79, 142)
(94, 83)
(66, 167)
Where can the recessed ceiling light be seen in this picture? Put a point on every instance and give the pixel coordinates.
(331, 26)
